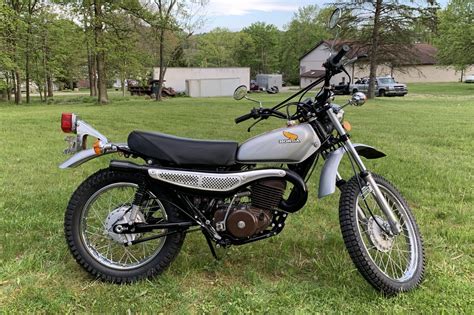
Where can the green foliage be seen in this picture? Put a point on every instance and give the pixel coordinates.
(126, 59)
(7, 16)
(456, 34)
(65, 41)
(216, 48)
(261, 51)
(306, 29)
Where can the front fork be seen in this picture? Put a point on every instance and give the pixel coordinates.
(365, 174)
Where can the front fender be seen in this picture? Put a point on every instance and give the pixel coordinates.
(327, 181)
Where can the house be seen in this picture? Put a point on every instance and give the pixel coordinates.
(422, 68)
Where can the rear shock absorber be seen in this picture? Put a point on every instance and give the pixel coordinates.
(137, 200)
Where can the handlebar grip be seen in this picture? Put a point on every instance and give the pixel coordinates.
(337, 58)
(243, 118)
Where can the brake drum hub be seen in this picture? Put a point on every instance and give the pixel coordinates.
(378, 237)
(121, 216)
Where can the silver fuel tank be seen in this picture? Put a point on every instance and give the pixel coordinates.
(285, 145)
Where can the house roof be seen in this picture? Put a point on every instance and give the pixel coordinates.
(313, 74)
(425, 54)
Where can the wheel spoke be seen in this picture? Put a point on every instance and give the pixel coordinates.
(391, 254)
(110, 203)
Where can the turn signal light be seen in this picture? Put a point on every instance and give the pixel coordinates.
(68, 124)
(347, 126)
(98, 147)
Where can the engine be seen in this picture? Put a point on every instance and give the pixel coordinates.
(248, 219)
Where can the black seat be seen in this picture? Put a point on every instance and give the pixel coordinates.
(182, 151)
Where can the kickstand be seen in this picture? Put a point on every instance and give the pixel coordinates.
(211, 247)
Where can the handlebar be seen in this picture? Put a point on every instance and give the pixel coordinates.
(334, 61)
(262, 113)
(243, 118)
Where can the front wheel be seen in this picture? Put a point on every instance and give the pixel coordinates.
(391, 264)
(104, 199)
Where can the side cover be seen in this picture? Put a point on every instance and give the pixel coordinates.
(285, 145)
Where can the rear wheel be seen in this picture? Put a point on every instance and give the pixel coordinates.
(102, 200)
(391, 264)
(382, 93)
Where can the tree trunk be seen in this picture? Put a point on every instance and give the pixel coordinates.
(13, 85)
(162, 65)
(122, 82)
(27, 61)
(89, 70)
(27, 72)
(374, 48)
(18, 87)
(100, 54)
(90, 59)
(94, 77)
(102, 82)
(7, 79)
(49, 84)
(40, 90)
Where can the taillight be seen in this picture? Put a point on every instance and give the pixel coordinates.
(68, 122)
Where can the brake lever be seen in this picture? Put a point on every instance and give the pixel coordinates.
(252, 125)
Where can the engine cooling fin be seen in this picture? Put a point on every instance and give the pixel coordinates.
(266, 194)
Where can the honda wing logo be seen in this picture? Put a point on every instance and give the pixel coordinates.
(290, 138)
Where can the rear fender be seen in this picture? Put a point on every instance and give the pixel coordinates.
(327, 180)
(78, 145)
(84, 156)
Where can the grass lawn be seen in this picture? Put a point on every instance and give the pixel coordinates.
(427, 135)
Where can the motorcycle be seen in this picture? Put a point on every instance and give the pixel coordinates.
(128, 222)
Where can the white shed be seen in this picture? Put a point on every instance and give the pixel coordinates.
(211, 87)
(176, 77)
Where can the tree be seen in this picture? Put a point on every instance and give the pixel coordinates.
(385, 29)
(245, 52)
(172, 23)
(96, 15)
(7, 64)
(13, 33)
(127, 58)
(455, 39)
(31, 7)
(305, 30)
(264, 57)
(216, 48)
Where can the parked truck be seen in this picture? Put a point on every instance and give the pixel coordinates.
(384, 86)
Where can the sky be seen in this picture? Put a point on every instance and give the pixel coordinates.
(237, 14)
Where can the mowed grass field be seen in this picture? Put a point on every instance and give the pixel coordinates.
(427, 136)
